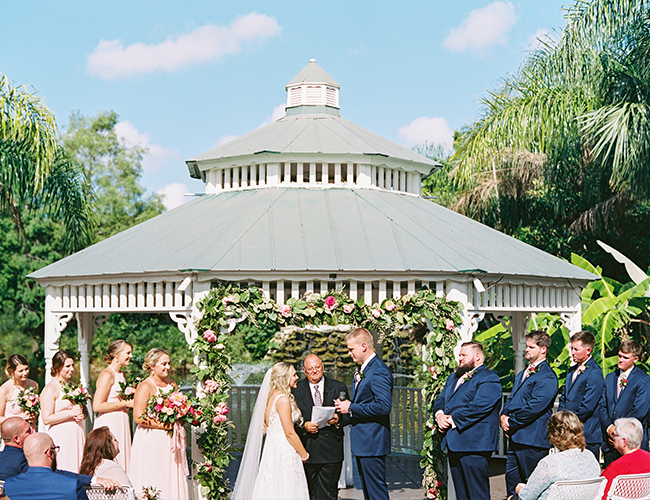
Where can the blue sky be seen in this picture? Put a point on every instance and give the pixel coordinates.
(185, 76)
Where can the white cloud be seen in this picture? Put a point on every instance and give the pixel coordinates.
(173, 195)
(424, 129)
(111, 60)
(224, 139)
(482, 28)
(536, 40)
(156, 154)
(278, 112)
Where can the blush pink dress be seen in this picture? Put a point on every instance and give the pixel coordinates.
(118, 423)
(12, 409)
(153, 463)
(69, 435)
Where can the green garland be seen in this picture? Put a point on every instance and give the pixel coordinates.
(229, 302)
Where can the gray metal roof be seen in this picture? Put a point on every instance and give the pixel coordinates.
(312, 133)
(302, 229)
(313, 73)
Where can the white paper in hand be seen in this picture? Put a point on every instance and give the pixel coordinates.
(321, 414)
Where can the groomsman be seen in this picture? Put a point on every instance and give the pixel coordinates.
(467, 412)
(527, 410)
(626, 395)
(325, 446)
(369, 414)
(583, 389)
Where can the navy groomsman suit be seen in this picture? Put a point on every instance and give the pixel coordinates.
(582, 397)
(474, 406)
(529, 407)
(633, 402)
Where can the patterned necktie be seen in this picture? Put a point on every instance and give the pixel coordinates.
(318, 400)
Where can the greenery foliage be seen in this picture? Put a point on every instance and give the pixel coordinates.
(227, 304)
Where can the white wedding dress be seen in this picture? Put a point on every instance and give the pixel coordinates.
(281, 475)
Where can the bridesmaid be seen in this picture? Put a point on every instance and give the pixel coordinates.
(153, 460)
(112, 410)
(64, 418)
(17, 370)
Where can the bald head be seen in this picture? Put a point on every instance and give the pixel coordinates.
(313, 368)
(14, 431)
(36, 449)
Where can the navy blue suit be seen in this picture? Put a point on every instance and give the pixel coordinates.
(474, 407)
(41, 483)
(581, 397)
(13, 462)
(529, 407)
(370, 433)
(634, 402)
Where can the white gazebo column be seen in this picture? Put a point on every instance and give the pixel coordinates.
(517, 325)
(53, 327)
(85, 332)
(457, 291)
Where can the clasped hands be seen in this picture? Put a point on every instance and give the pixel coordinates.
(444, 421)
(313, 427)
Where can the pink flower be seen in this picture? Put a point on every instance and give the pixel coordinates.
(431, 493)
(226, 300)
(222, 408)
(285, 310)
(389, 305)
(219, 418)
(211, 385)
(330, 303)
(210, 336)
(348, 308)
(434, 373)
(449, 325)
(220, 346)
(377, 312)
(129, 390)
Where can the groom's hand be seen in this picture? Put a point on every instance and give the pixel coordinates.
(311, 427)
(342, 406)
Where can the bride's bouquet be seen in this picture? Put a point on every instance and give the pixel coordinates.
(77, 395)
(127, 389)
(30, 402)
(171, 408)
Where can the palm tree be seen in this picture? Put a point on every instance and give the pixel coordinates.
(35, 172)
(573, 123)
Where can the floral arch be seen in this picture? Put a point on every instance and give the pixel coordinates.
(226, 305)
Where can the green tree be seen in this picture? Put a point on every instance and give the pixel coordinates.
(113, 171)
(35, 172)
(560, 156)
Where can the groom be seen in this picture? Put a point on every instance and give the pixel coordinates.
(369, 414)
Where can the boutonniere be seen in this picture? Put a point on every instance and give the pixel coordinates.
(581, 369)
(622, 382)
(465, 377)
(358, 376)
(532, 370)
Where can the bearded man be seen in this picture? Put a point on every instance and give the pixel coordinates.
(467, 413)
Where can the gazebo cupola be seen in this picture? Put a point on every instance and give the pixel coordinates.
(311, 146)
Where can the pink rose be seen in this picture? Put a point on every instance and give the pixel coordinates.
(348, 308)
(211, 385)
(210, 336)
(377, 312)
(449, 325)
(129, 390)
(285, 310)
(434, 373)
(219, 418)
(389, 305)
(330, 303)
(431, 493)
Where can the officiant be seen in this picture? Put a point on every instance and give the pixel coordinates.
(325, 444)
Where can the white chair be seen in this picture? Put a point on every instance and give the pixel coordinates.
(99, 493)
(583, 489)
(630, 486)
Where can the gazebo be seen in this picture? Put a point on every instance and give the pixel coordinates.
(310, 202)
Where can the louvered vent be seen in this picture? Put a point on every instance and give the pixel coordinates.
(314, 95)
(294, 96)
(330, 97)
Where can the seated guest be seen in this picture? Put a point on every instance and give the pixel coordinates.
(100, 451)
(571, 462)
(40, 482)
(626, 438)
(14, 431)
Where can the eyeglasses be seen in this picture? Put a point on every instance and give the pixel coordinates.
(54, 449)
(314, 369)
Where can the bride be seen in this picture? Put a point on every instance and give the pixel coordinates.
(279, 475)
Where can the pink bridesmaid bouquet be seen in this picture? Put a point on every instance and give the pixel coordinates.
(30, 402)
(172, 407)
(150, 493)
(127, 389)
(76, 394)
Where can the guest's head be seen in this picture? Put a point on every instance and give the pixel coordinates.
(120, 351)
(565, 431)
(313, 368)
(582, 343)
(470, 356)
(14, 431)
(627, 435)
(283, 377)
(628, 354)
(157, 361)
(40, 451)
(360, 344)
(100, 444)
(537, 344)
(17, 367)
(63, 365)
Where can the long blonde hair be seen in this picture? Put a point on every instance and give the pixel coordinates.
(280, 378)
